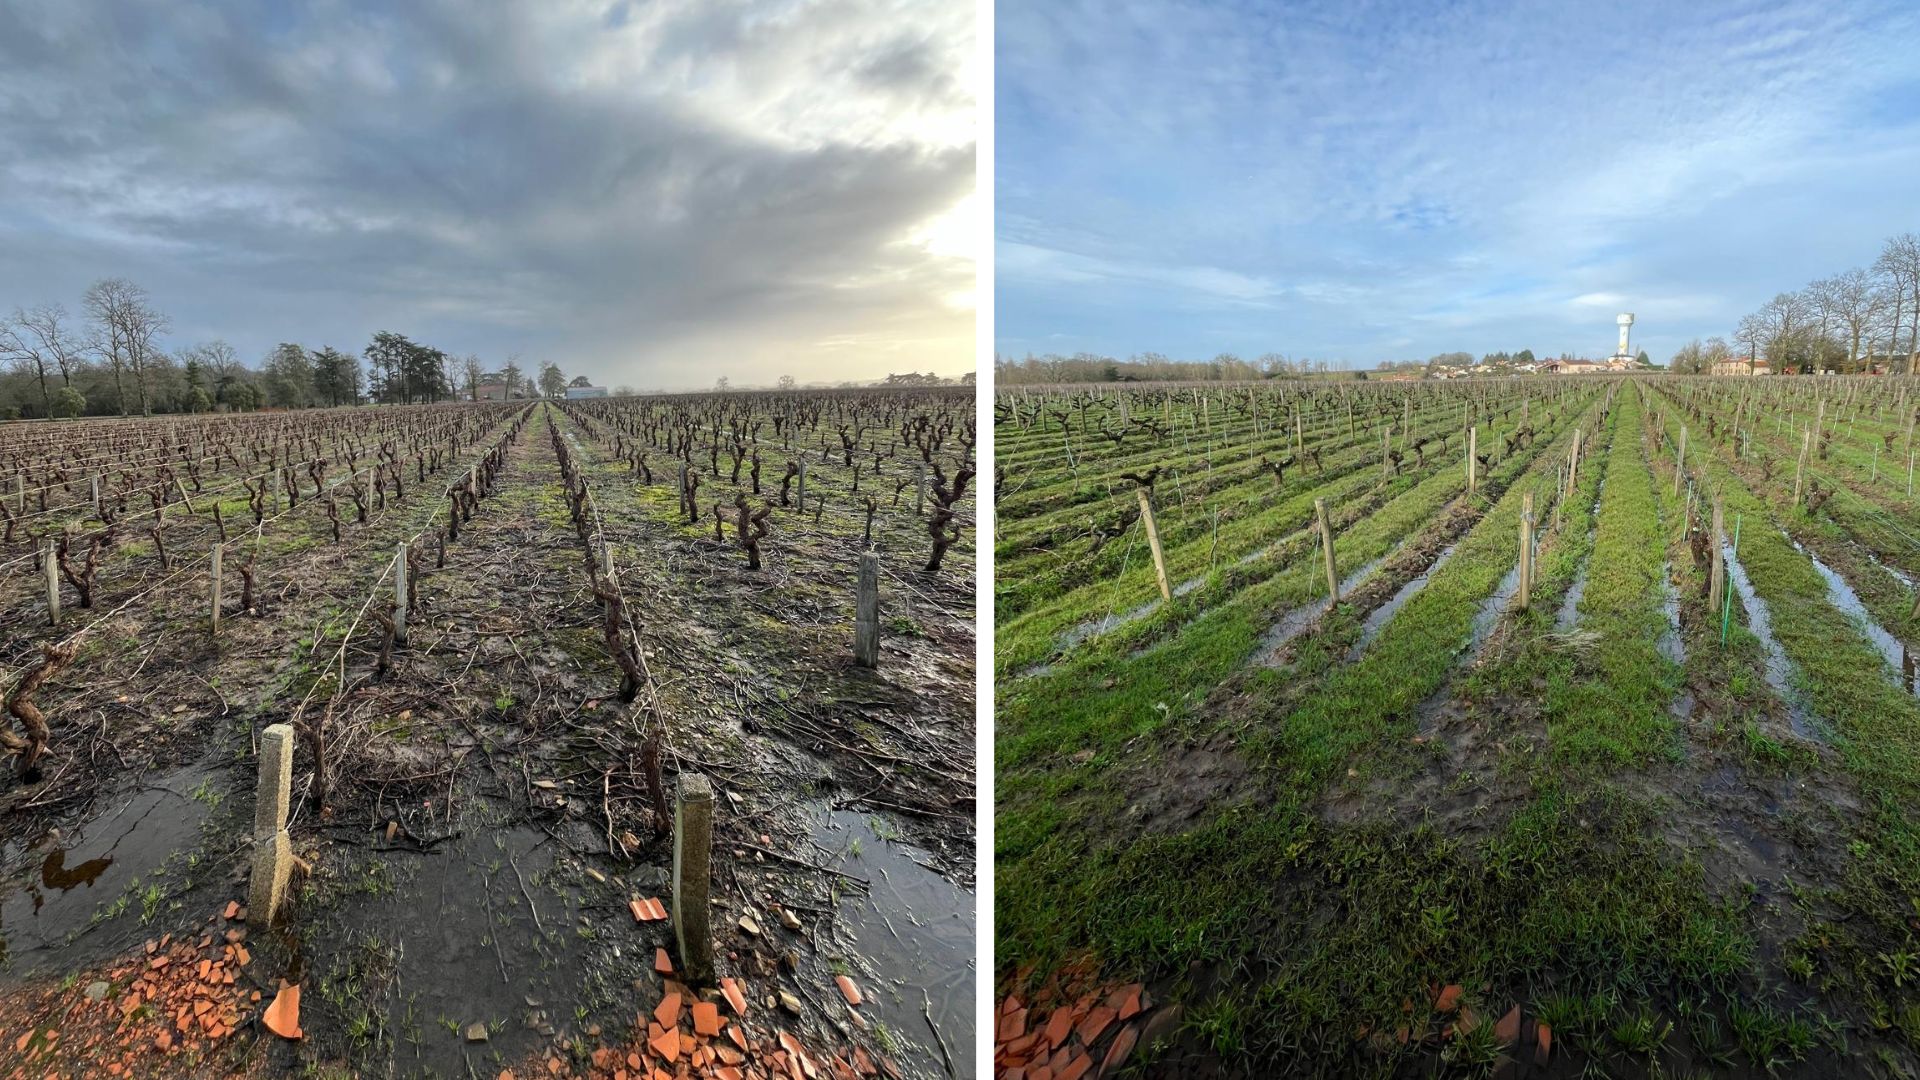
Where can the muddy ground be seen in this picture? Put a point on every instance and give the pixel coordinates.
(489, 819)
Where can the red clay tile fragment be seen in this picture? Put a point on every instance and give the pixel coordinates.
(848, 989)
(667, 1013)
(661, 962)
(1117, 1053)
(706, 1018)
(1508, 1029)
(1543, 1035)
(1058, 1027)
(1095, 1024)
(734, 995)
(1449, 997)
(1012, 1026)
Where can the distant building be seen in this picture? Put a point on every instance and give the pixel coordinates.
(493, 390)
(1741, 365)
(575, 393)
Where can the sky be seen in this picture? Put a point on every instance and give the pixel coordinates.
(1358, 182)
(652, 194)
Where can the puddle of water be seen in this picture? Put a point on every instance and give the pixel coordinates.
(913, 931)
(1671, 645)
(1778, 668)
(1841, 595)
(1378, 618)
(1095, 627)
(1485, 619)
(1295, 622)
(1901, 575)
(1569, 612)
(80, 873)
(450, 938)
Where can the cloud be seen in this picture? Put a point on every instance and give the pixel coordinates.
(651, 194)
(1376, 181)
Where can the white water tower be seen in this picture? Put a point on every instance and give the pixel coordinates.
(1625, 319)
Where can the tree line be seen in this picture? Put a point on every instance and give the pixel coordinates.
(1088, 367)
(1863, 319)
(108, 360)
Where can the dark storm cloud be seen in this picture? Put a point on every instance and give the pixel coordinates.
(641, 192)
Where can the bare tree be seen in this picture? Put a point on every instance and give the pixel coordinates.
(1852, 301)
(125, 326)
(1899, 264)
(511, 374)
(471, 368)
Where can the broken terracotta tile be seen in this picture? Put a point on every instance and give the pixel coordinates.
(1507, 1031)
(1448, 999)
(1095, 1024)
(1012, 1026)
(661, 962)
(667, 1013)
(848, 989)
(706, 1018)
(1117, 1053)
(734, 995)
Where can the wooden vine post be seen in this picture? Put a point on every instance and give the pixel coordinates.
(1717, 576)
(1326, 550)
(400, 593)
(1800, 468)
(866, 618)
(1153, 542)
(1526, 550)
(50, 564)
(215, 588)
(693, 876)
(1680, 461)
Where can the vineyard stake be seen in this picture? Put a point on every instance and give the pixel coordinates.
(50, 563)
(1573, 462)
(692, 875)
(1326, 548)
(1717, 577)
(1526, 550)
(400, 593)
(1799, 469)
(96, 494)
(1473, 444)
(1386, 445)
(272, 849)
(1153, 541)
(1680, 461)
(216, 588)
(866, 618)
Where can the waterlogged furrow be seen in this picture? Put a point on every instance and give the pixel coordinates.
(1027, 641)
(1377, 695)
(1876, 723)
(1614, 706)
(1252, 508)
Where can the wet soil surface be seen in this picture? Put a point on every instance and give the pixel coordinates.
(489, 825)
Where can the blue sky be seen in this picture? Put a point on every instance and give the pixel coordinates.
(1359, 182)
(652, 193)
